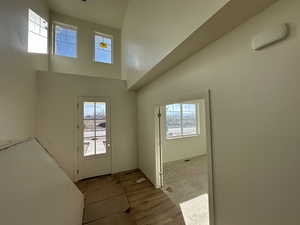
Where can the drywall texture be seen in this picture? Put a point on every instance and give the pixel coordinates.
(187, 147)
(255, 116)
(109, 13)
(57, 117)
(84, 63)
(147, 39)
(35, 190)
(17, 74)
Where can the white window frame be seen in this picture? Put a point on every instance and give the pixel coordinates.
(96, 33)
(47, 37)
(181, 119)
(66, 26)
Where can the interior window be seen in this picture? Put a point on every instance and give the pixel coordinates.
(65, 41)
(103, 48)
(37, 33)
(181, 120)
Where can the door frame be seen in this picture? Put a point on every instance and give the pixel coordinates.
(209, 142)
(78, 133)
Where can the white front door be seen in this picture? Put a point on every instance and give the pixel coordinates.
(94, 155)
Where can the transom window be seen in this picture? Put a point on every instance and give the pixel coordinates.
(181, 120)
(103, 48)
(65, 41)
(37, 33)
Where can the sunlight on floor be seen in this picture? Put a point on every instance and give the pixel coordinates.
(196, 211)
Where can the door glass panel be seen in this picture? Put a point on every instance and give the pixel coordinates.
(101, 127)
(89, 128)
(89, 146)
(89, 110)
(94, 122)
(101, 145)
(100, 110)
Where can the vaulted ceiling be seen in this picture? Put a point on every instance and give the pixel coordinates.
(105, 12)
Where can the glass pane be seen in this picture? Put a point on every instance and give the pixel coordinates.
(101, 126)
(37, 34)
(103, 49)
(173, 107)
(89, 146)
(94, 122)
(89, 128)
(173, 120)
(101, 145)
(89, 110)
(189, 119)
(100, 110)
(65, 42)
(37, 43)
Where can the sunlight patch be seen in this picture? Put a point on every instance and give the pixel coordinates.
(196, 210)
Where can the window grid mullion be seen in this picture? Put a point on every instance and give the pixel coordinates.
(181, 119)
(197, 120)
(95, 127)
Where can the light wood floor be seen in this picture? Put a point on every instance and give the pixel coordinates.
(119, 200)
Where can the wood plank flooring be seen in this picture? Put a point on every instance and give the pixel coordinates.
(119, 200)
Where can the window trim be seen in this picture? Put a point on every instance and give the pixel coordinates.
(48, 36)
(67, 26)
(111, 37)
(181, 127)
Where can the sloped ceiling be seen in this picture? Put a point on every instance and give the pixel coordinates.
(105, 12)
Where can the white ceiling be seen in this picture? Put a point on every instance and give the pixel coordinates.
(106, 12)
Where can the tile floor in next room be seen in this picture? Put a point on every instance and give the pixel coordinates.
(119, 200)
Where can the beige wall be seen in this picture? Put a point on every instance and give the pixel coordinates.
(17, 73)
(84, 63)
(255, 115)
(152, 29)
(57, 117)
(187, 147)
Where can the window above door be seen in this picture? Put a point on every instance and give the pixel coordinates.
(37, 33)
(65, 40)
(103, 52)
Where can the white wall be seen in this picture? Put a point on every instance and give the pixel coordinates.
(84, 63)
(17, 73)
(57, 115)
(187, 147)
(35, 190)
(255, 115)
(152, 29)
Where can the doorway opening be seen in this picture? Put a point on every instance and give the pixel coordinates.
(184, 157)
